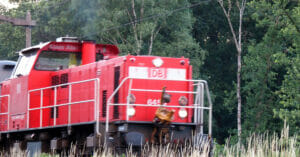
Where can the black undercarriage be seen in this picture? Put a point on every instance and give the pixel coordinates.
(83, 137)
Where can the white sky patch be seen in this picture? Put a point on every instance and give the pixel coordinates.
(8, 5)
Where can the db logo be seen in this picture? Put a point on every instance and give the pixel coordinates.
(157, 73)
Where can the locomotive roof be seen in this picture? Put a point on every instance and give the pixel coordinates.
(33, 47)
(182, 57)
(7, 62)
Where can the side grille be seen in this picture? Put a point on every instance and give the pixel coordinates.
(64, 78)
(104, 102)
(55, 80)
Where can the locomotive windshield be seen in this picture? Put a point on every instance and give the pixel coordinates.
(53, 61)
(25, 63)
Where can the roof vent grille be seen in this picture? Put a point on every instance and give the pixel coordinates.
(67, 39)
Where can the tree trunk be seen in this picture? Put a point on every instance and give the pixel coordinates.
(151, 42)
(238, 95)
(238, 45)
(152, 37)
(134, 27)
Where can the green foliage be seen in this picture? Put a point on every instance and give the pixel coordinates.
(260, 74)
(11, 38)
(54, 19)
(290, 95)
(142, 27)
(211, 30)
(271, 70)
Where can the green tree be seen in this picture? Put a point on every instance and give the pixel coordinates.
(12, 38)
(260, 75)
(272, 69)
(290, 96)
(143, 27)
(55, 19)
(219, 65)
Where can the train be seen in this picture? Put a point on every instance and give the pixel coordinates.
(77, 91)
(6, 68)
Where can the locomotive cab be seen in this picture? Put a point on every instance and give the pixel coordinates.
(64, 53)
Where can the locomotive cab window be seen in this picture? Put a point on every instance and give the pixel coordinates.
(53, 61)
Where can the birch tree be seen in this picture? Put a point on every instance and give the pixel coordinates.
(237, 38)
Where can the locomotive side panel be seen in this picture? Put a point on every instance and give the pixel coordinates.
(37, 99)
(60, 63)
(83, 112)
(111, 73)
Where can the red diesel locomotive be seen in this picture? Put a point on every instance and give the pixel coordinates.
(78, 91)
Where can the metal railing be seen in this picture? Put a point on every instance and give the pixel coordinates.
(95, 100)
(8, 111)
(198, 105)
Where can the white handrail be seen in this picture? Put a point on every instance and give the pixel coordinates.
(194, 106)
(95, 100)
(168, 91)
(166, 106)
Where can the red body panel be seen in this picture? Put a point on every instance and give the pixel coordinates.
(5, 90)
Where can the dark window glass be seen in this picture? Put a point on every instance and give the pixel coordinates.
(8, 67)
(99, 56)
(52, 61)
(116, 97)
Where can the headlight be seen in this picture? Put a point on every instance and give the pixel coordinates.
(157, 62)
(182, 113)
(182, 101)
(131, 98)
(130, 111)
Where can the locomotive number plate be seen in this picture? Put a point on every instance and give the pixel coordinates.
(153, 102)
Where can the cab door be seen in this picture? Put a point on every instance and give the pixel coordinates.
(18, 98)
(19, 90)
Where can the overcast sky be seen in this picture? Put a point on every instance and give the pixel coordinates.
(7, 4)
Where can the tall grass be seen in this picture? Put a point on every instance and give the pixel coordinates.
(265, 145)
(257, 145)
(168, 150)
